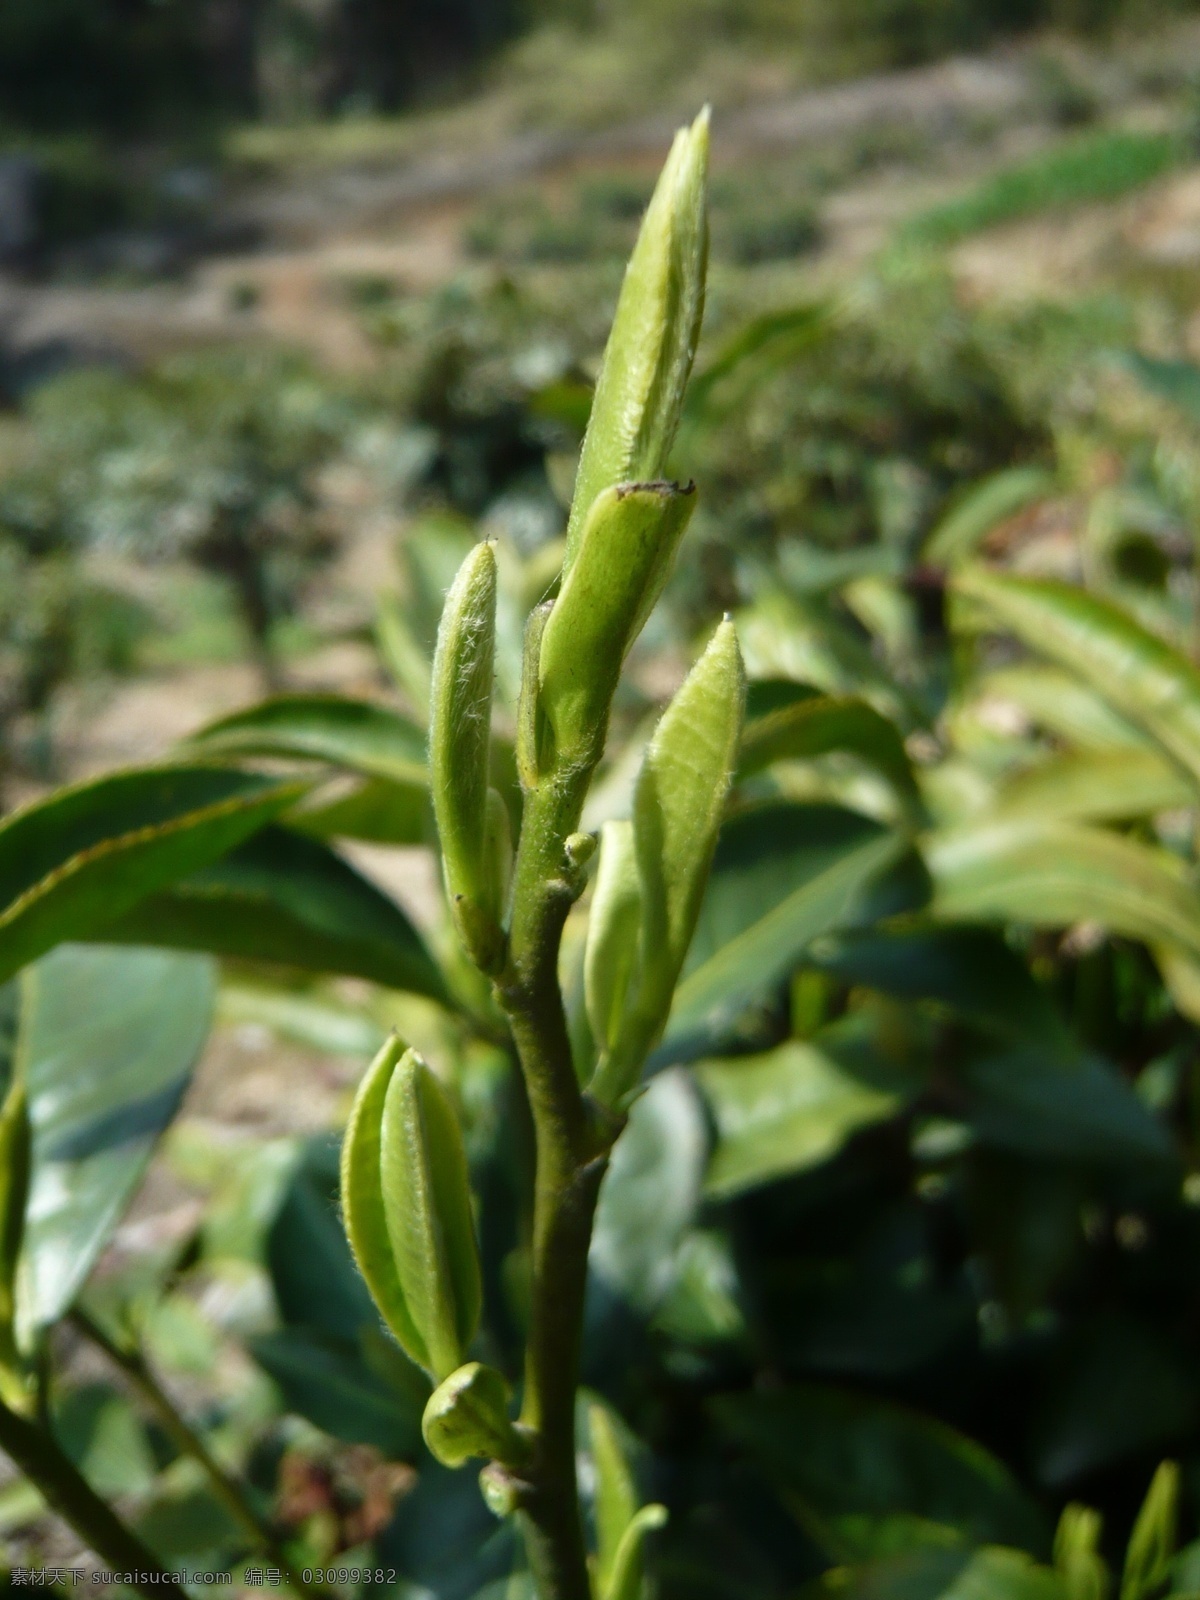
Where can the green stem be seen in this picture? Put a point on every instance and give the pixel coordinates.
(66, 1491)
(572, 1154)
(189, 1443)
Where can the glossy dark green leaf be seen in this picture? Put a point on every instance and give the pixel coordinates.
(84, 855)
(290, 900)
(328, 1382)
(1117, 1389)
(1055, 874)
(782, 875)
(358, 734)
(853, 1462)
(971, 971)
(1140, 676)
(107, 1042)
(1081, 1109)
(817, 726)
(790, 1109)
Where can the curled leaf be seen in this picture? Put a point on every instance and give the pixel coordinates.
(625, 552)
(467, 1415)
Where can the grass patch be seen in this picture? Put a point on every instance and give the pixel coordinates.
(1098, 167)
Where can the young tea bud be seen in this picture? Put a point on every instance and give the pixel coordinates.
(467, 1415)
(648, 358)
(678, 802)
(406, 1203)
(460, 715)
(624, 557)
(610, 955)
(528, 763)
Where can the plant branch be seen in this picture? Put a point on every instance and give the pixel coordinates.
(66, 1491)
(572, 1154)
(188, 1442)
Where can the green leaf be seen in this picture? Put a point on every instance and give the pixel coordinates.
(1176, 381)
(615, 1501)
(816, 726)
(992, 1573)
(72, 862)
(427, 1204)
(1077, 1556)
(106, 1044)
(971, 971)
(789, 1109)
(772, 893)
(983, 507)
(847, 1463)
(625, 553)
(1040, 1103)
(15, 1159)
(460, 720)
(626, 1580)
(378, 810)
(363, 1207)
(1055, 874)
(610, 957)
(678, 802)
(648, 358)
(1096, 786)
(1152, 1542)
(1056, 700)
(467, 1416)
(357, 734)
(651, 1192)
(327, 1382)
(289, 900)
(1136, 673)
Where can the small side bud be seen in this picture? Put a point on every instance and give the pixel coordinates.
(467, 1415)
(579, 849)
(501, 1492)
(678, 803)
(648, 358)
(460, 715)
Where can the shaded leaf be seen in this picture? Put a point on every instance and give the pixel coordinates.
(358, 734)
(287, 899)
(107, 1043)
(816, 726)
(71, 862)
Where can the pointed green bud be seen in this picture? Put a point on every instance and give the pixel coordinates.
(406, 1203)
(624, 558)
(648, 358)
(1077, 1558)
(1152, 1542)
(678, 803)
(15, 1165)
(460, 718)
(427, 1205)
(610, 955)
(363, 1214)
(467, 1415)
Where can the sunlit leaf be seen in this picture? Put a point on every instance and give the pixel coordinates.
(358, 734)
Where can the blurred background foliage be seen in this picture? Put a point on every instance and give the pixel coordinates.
(897, 1270)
